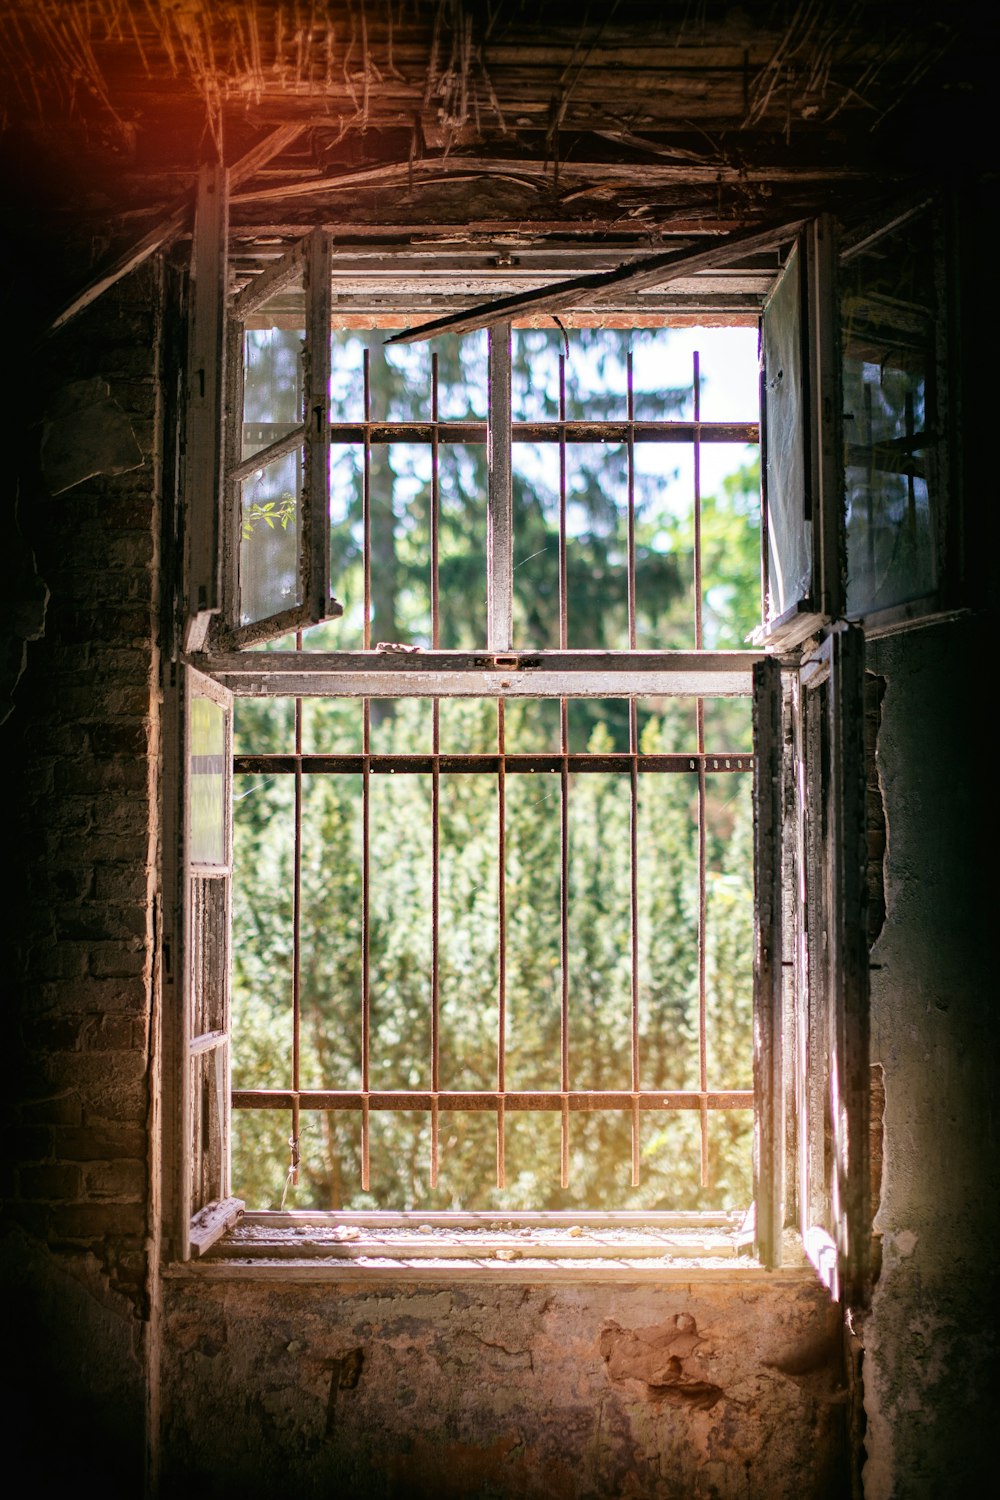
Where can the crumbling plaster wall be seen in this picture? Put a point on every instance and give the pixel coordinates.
(930, 1348)
(466, 1390)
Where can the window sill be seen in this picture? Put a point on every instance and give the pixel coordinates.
(535, 1247)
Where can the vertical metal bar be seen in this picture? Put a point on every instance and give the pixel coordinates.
(366, 499)
(633, 744)
(499, 513)
(563, 803)
(502, 953)
(563, 588)
(435, 792)
(293, 1144)
(366, 506)
(702, 841)
(631, 501)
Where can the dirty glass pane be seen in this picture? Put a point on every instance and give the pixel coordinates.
(269, 541)
(207, 790)
(789, 551)
(888, 316)
(273, 344)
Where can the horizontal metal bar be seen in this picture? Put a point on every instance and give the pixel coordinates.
(379, 433)
(464, 674)
(403, 765)
(581, 1101)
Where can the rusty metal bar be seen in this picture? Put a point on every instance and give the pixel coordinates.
(293, 1144)
(499, 508)
(563, 801)
(574, 1101)
(366, 506)
(563, 587)
(538, 762)
(564, 940)
(702, 831)
(435, 790)
(502, 945)
(633, 745)
(576, 430)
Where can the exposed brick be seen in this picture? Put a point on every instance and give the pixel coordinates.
(90, 775)
(120, 738)
(116, 961)
(59, 1033)
(121, 882)
(112, 1085)
(108, 848)
(101, 1142)
(122, 815)
(123, 1180)
(66, 961)
(63, 1108)
(52, 1184)
(131, 551)
(102, 921)
(92, 1221)
(105, 995)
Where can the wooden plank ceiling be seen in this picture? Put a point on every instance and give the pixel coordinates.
(504, 136)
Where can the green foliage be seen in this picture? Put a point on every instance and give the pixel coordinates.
(270, 513)
(599, 832)
(599, 961)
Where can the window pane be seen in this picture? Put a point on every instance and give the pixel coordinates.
(888, 316)
(207, 787)
(269, 545)
(272, 386)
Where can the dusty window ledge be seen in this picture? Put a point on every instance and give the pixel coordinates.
(627, 1247)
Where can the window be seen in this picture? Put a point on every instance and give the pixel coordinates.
(511, 1012)
(343, 520)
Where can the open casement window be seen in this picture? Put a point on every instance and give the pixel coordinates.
(801, 446)
(276, 552)
(902, 542)
(204, 1206)
(830, 957)
(811, 1066)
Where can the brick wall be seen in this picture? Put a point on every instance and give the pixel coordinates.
(80, 756)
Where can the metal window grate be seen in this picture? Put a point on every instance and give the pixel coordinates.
(633, 764)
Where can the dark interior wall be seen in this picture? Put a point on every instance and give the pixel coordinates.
(80, 756)
(930, 1362)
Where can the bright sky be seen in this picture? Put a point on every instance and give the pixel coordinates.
(730, 389)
